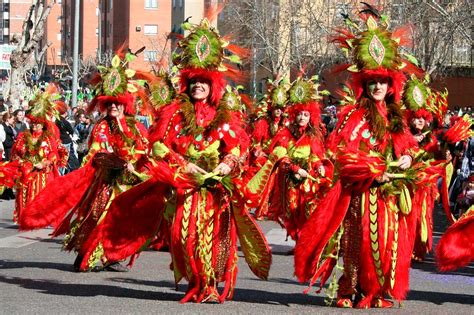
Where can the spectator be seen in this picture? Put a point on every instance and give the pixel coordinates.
(72, 116)
(3, 107)
(66, 133)
(10, 134)
(7, 136)
(83, 128)
(2, 138)
(20, 124)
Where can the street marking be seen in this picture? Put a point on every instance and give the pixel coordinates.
(24, 238)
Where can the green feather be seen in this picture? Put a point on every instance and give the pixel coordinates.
(415, 87)
(384, 46)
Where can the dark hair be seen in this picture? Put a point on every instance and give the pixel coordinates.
(394, 116)
(6, 116)
(15, 113)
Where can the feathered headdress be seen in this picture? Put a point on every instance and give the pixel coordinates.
(119, 84)
(375, 52)
(44, 106)
(162, 89)
(415, 98)
(304, 95)
(204, 55)
(275, 97)
(277, 92)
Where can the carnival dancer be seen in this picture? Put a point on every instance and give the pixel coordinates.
(37, 152)
(199, 136)
(291, 182)
(432, 160)
(366, 217)
(78, 202)
(270, 120)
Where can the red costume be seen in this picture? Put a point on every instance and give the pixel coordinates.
(80, 200)
(202, 210)
(283, 194)
(268, 122)
(367, 216)
(430, 161)
(38, 151)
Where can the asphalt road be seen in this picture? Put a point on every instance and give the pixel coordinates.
(36, 278)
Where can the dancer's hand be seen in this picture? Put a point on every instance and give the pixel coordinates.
(302, 173)
(321, 170)
(222, 169)
(130, 167)
(404, 162)
(383, 178)
(259, 153)
(192, 168)
(419, 137)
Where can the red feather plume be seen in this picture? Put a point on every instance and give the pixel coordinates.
(461, 130)
(456, 247)
(58, 197)
(9, 171)
(404, 34)
(360, 166)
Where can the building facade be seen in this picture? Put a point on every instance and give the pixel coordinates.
(137, 24)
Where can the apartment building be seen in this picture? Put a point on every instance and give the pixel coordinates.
(88, 28)
(141, 23)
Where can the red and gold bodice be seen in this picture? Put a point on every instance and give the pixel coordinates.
(125, 137)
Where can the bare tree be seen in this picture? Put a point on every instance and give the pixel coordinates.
(162, 47)
(285, 35)
(28, 46)
(441, 32)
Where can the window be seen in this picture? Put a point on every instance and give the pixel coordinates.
(151, 4)
(151, 55)
(150, 29)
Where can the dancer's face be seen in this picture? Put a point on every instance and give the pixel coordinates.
(302, 118)
(377, 88)
(277, 112)
(115, 110)
(419, 123)
(37, 127)
(199, 90)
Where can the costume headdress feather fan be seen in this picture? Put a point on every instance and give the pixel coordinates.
(304, 95)
(275, 97)
(204, 55)
(162, 87)
(415, 98)
(375, 51)
(44, 105)
(120, 84)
